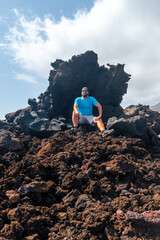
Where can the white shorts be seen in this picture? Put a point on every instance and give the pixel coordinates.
(86, 119)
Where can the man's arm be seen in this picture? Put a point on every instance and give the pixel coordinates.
(98, 105)
(75, 108)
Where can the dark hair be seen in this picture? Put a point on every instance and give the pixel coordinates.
(84, 87)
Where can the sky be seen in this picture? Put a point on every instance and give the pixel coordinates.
(34, 33)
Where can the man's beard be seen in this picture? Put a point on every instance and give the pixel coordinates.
(85, 95)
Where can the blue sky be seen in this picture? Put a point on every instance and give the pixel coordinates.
(35, 33)
(14, 93)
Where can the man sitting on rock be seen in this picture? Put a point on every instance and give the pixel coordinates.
(83, 111)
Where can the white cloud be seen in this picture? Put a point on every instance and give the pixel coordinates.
(26, 78)
(119, 31)
(3, 45)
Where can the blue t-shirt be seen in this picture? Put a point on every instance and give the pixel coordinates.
(85, 106)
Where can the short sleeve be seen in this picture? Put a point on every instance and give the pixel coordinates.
(76, 101)
(94, 101)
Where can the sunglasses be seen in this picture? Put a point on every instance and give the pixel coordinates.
(84, 90)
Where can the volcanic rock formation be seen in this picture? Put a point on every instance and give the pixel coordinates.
(107, 84)
(69, 186)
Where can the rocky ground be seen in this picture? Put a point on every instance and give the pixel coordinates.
(56, 185)
(80, 187)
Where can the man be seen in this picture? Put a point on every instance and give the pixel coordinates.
(83, 111)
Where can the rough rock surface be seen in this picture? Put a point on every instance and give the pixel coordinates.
(149, 220)
(46, 116)
(61, 185)
(80, 187)
(106, 84)
(131, 127)
(152, 120)
(9, 137)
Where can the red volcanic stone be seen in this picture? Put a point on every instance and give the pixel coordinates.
(82, 201)
(71, 197)
(12, 231)
(151, 217)
(13, 196)
(149, 220)
(94, 188)
(9, 142)
(12, 214)
(119, 213)
(36, 187)
(94, 217)
(156, 197)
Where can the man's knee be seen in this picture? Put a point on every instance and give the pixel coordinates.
(97, 121)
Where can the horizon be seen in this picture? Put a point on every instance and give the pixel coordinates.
(34, 34)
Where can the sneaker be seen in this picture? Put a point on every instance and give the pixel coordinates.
(74, 129)
(104, 133)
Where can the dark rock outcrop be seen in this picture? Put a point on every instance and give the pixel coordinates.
(107, 84)
(131, 127)
(152, 119)
(53, 111)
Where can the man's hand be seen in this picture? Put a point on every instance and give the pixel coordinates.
(97, 118)
(76, 113)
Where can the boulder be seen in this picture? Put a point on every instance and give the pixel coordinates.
(13, 196)
(9, 142)
(36, 187)
(148, 219)
(131, 127)
(144, 111)
(13, 116)
(36, 123)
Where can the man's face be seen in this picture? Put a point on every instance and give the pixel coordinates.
(85, 92)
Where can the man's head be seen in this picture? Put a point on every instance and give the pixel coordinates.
(85, 92)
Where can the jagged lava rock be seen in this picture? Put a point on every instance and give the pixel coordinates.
(152, 119)
(78, 186)
(9, 142)
(135, 126)
(53, 111)
(148, 219)
(106, 84)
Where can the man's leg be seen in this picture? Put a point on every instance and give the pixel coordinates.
(100, 125)
(75, 119)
